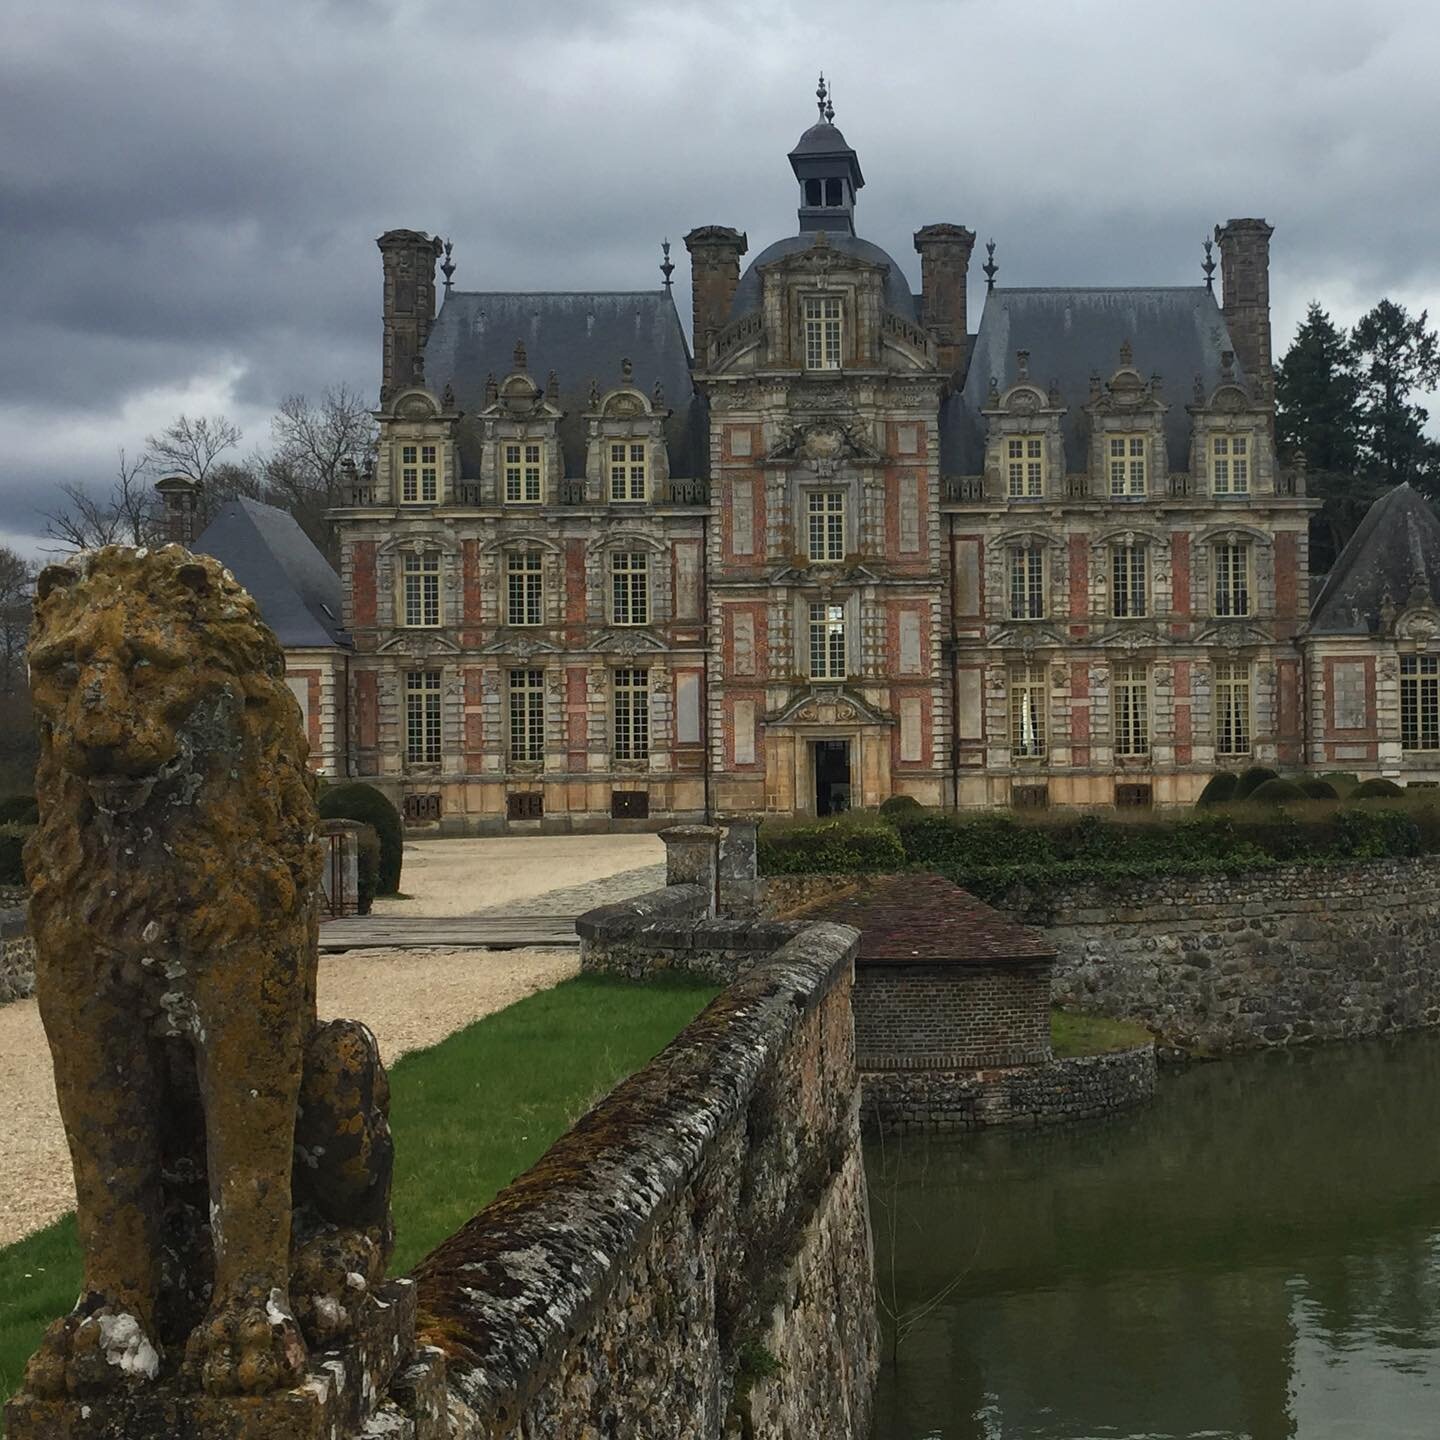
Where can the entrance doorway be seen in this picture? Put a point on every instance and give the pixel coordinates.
(832, 776)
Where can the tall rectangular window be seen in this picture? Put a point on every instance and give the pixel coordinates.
(827, 641)
(1232, 578)
(524, 588)
(1232, 708)
(523, 467)
(1127, 464)
(1128, 599)
(826, 513)
(632, 714)
(422, 716)
(1025, 466)
(628, 469)
(822, 332)
(422, 588)
(1420, 702)
(419, 474)
(527, 714)
(630, 587)
(1230, 464)
(1027, 582)
(1132, 710)
(1027, 711)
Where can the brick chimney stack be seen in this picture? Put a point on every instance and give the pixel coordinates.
(715, 252)
(944, 273)
(409, 307)
(181, 498)
(1245, 286)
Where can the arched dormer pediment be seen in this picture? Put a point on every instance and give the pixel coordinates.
(420, 537)
(1029, 535)
(625, 540)
(1418, 624)
(519, 396)
(417, 403)
(625, 402)
(1227, 398)
(1234, 534)
(502, 543)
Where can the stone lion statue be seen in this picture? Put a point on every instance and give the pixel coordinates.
(173, 879)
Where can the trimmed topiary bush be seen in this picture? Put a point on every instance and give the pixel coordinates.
(1276, 792)
(1344, 781)
(839, 844)
(354, 801)
(1315, 788)
(1252, 779)
(12, 844)
(1219, 789)
(367, 866)
(19, 810)
(901, 807)
(1376, 789)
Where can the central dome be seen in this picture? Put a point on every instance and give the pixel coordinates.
(897, 288)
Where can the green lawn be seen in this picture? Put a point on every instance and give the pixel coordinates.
(1073, 1034)
(468, 1116)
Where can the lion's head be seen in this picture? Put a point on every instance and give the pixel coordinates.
(142, 660)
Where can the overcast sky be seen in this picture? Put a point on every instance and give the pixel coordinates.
(190, 192)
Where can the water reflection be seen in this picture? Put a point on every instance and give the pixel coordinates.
(1256, 1255)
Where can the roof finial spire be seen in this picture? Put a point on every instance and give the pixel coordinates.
(990, 268)
(1208, 265)
(448, 267)
(822, 99)
(667, 267)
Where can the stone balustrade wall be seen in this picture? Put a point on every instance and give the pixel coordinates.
(694, 1255)
(17, 957)
(1236, 962)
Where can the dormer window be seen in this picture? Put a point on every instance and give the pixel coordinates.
(523, 464)
(419, 474)
(629, 469)
(1025, 466)
(823, 332)
(1230, 464)
(1127, 455)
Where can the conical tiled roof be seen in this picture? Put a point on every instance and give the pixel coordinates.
(1393, 556)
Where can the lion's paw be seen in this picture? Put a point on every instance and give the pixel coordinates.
(249, 1344)
(331, 1281)
(99, 1347)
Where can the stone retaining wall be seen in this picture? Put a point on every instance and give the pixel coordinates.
(694, 1255)
(1221, 963)
(1085, 1087)
(17, 957)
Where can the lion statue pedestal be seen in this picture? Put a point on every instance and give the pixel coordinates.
(232, 1155)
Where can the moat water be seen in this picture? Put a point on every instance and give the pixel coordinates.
(1256, 1254)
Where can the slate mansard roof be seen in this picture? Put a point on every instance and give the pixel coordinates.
(299, 595)
(582, 336)
(1176, 332)
(1393, 556)
(748, 292)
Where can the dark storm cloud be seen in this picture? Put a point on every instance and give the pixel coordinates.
(189, 195)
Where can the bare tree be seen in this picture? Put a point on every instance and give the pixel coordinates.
(191, 447)
(312, 444)
(128, 515)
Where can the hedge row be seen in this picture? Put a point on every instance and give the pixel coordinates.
(974, 850)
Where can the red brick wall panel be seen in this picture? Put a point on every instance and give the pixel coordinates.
(362, 582)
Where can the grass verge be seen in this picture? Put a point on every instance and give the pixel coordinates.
(469, 1115)
(1073, 1034)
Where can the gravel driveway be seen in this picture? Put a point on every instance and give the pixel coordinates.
(410, 998)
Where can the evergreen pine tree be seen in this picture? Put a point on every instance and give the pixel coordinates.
(1317, 396)
(1398, 355)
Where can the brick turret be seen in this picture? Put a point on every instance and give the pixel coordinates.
(1245, 282)
(715, 252)
(409, 307)
(944, 273)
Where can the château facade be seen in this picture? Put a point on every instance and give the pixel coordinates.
(845, 549)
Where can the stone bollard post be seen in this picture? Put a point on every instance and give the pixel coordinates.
(692, 857)
(340, 877)
(739, 877)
